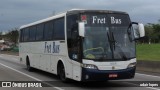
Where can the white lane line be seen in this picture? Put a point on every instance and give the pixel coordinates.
(30, 76)
(148, 75)
(153, 88)
(21, 72)
(58, 88)
(144, 87)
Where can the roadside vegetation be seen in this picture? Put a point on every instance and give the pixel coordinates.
(152, 32)
(148, 52)
(148, 48)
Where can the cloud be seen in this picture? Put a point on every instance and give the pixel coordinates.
(14, 13)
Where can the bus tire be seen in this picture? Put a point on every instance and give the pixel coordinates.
(29, 68)
(61, 72)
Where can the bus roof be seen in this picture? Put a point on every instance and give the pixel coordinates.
(69, 12)
(100, 11)
(44, 20)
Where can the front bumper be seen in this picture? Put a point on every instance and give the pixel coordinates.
(103, 75)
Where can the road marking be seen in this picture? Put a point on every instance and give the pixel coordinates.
(3, 55)
(21, 72)
(144, 87)
(148, 75)
(153, 88)
(58, 88)
(30, 76)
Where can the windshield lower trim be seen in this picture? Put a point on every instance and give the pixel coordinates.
(109, 60)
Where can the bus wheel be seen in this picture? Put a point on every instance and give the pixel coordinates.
(62, 73)
(29, 68)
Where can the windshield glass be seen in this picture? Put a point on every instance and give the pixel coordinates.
(107, 38)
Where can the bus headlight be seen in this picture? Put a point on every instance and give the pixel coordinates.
(132, 65)
(89, 66)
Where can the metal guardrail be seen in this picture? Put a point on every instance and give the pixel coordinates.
(150, 66)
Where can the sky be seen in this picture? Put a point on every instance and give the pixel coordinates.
(15, 13)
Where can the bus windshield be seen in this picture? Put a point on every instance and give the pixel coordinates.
(108, 39)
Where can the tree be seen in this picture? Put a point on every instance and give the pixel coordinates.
(12, 35)
(148, 32)
(1, 36)
(152, 33)
(156, 34)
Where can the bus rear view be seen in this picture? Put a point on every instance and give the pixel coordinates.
(104, 44)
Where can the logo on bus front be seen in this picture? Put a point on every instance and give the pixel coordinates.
(84, 18)
(51, 47)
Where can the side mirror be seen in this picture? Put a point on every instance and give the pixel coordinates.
(138, 29)
(141, 30)
(81, 28)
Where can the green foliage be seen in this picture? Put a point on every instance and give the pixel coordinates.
(148, 52)
(152, 33)
(15, 49)
(12, 35)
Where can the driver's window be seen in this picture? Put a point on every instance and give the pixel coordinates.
(72, 37)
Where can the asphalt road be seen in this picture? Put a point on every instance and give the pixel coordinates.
(12, 70)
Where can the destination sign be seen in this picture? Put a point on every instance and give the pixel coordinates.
(105, 19)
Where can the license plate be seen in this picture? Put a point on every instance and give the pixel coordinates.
(113, 75)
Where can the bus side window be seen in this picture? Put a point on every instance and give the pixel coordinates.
(26, 35)
(59, 29)
(39, 33)
(72, 37)
(32, 33)
(21, 35)
(48, 31)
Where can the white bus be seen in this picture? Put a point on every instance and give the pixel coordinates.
(83, 45)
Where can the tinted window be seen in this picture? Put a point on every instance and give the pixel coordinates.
(48, 31)
(39, 33)
(26, 35)
(32, 33)
(59, 29)
(72, 26)
(21, 35)
(72, 37)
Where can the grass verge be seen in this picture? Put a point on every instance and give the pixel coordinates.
(149, 52)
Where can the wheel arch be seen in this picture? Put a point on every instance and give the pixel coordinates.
(27, 59)
(60, 62)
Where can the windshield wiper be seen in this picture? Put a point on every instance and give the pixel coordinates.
(124, 57)
(111, 40)
(110, 44)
